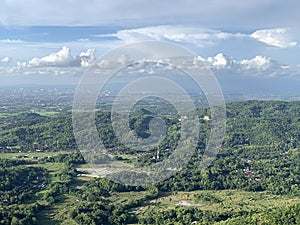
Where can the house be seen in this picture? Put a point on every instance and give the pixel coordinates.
(206, 118)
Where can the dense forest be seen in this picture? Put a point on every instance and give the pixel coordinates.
(260, 155)
(252, 123)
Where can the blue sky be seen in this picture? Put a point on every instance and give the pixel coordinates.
(43, 41)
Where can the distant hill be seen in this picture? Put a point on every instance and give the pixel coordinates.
(248, 123)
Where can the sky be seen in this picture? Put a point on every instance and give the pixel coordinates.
(250, 45)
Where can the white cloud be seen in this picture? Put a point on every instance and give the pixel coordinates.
(21, 69)
(11, 41)
(274, 37)
(5, 59)
(63, 58)
(60, 63)
(258, 62)
(87, 57)
(104, 63)
(220, 61)
(279, 37)
(192, 35)
(257, 66)
(124, 59)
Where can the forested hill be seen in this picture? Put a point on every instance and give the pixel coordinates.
(250, 123)
(263, 123)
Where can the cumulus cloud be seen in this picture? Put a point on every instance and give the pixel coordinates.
(256, 66)
(87, 57)
(104, 63)
(220, 61)
(274, 37)
(5, 59)
(60, 63)
(63, 58)
(107, 63)
(193, 35)
(124, 59)
(258, 62)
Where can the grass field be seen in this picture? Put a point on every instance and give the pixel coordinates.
(48, 113)
(3, 115)
(217, 201)
(52, 167)
(58, 212)
(228, 200)
(30, 155)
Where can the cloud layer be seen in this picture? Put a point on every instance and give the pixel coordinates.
(62, 62)
(192, 35)
(279, 37)
(230, 13)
